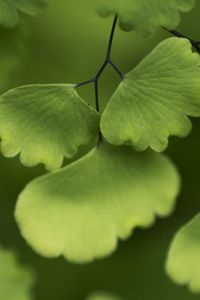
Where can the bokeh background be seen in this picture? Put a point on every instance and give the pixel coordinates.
(67, 44)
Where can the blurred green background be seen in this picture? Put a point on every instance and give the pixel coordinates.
(67, 44)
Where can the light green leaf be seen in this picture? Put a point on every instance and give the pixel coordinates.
(15, 281)
(45, 123)
(154, 100)
(102, 296)
(184, 256)
(9, 10)
(81, 210)
(145, 16)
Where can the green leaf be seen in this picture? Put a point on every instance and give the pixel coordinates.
(31, 7)
(45, 123)
(81, 210)
(15, 281)
(145, 16)
(102, 296)
(154, 100)
(184, 256)
(9, 10)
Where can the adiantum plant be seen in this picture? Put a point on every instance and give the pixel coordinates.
(80, 210)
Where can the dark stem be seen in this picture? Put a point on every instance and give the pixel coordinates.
(106, 62)
(100, 71)
(111, 39)
(116, 69)
(96, 86)
(195, 44)
(84, 83)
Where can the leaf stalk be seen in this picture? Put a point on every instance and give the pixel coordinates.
(108, 61)
(195, 44)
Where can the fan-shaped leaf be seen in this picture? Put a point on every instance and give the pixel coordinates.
(9, 10)
(81, 210)
(45, 123)
(184, 256)
(15, 281)
(145, 16)
(153, 100)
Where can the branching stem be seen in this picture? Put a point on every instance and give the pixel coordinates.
(195, 44)
(107, 61)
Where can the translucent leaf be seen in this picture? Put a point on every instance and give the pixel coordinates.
(81, 210)
(45, 123)
(145, 16)
(102, 296)
(184, 256)
(154, 100)
(15, 281)
(9, 10)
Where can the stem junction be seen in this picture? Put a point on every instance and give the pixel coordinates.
(108, 61)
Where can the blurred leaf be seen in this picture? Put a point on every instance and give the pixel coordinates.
(184, 256)
(31, 7)
(15, 281)
(9, 10)
(102, 296)
(45, 123)
(153, 100)
(81, 210)
(145, 16)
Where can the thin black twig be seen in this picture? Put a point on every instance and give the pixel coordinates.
(116, 69)
(110, 43)
(96, 86)
(107, 61)
(84, 83)
(195, 44)
(100, 71)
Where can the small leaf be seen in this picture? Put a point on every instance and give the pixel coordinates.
(81, 210)
(145, 16)
(9, 10)
(45, 123)
(15, 281)
(102, 296)
(184, 256)
(154, 100)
